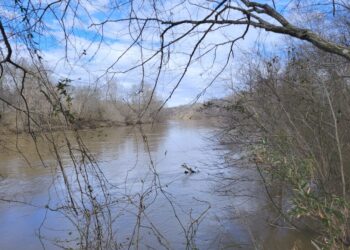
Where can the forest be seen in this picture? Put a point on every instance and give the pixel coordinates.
(268, 81)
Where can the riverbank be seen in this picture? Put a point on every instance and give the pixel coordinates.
(78, 124)
(10, 124)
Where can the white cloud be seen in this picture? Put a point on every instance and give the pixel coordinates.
(88, 59)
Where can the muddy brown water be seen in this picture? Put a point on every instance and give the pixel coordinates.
(239, 217)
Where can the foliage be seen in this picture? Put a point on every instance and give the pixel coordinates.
(298, 103)
(295, 112)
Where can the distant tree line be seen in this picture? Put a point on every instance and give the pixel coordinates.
(81, 105)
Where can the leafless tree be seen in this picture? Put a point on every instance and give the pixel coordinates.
(162, 32)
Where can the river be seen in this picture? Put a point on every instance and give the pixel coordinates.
(225, 202)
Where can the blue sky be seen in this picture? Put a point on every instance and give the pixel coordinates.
(86, 51)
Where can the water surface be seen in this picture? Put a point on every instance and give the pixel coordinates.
(228, 199)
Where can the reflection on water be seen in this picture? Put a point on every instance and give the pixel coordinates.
(237, 219)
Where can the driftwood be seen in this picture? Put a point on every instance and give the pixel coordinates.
(188, 169)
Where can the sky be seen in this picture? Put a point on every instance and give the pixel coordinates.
(82, 46)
